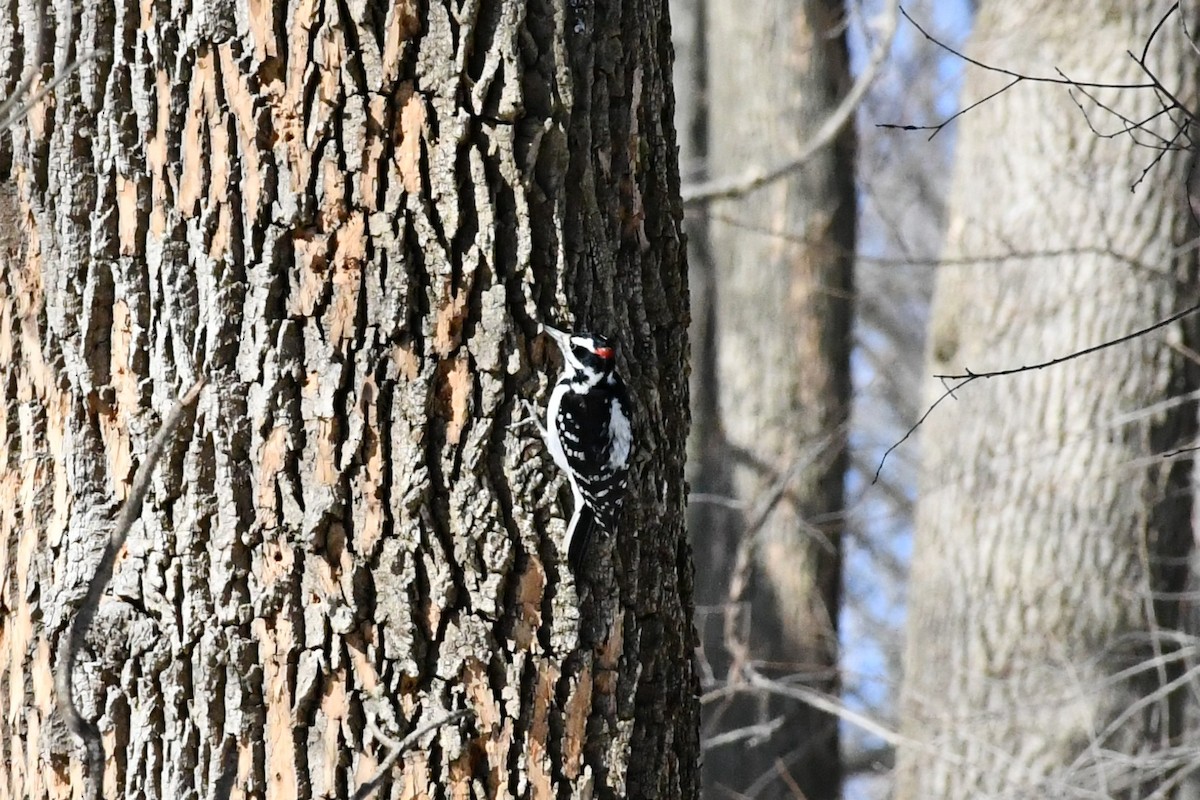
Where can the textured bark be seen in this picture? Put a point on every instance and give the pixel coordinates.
(776, 344)
(350, 216)
(1052, 531)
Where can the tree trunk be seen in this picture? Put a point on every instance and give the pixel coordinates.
(1054, 523)
(773, 408)
(350, 218)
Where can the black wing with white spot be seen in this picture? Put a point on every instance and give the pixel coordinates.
(596, 438)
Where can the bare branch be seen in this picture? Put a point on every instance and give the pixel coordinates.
(753, 735)
(725, 188)
(87, 732)
(913, 429)
(834, 707)
(1062, 80)
(1018, 75)
(10, 116)
(981, 260)
(938, 127)
(1188, 34)
(1087, 351)
(719, 500)
(786, 776)
(12, 113)
(398, 747)
(964, 378)
(1129, 126)
(764, 504)
(1141, 62)
(35, 40)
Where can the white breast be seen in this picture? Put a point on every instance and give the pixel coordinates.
(553, 440)
(620, 436)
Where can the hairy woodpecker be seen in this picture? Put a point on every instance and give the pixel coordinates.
(588, 433)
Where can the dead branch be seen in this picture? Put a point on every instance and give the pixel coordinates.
(764, 504)
(758, 177)
(11, 113)
(1141, 61)
(830, 705)
(1010, 73)
(752, 735)
(88, 732)
(1170, 102)
(961, 380)
(15, 107)
(398, 747)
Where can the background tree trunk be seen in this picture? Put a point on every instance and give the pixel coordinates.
(772, 393)
(350, 216)
(1053, 526)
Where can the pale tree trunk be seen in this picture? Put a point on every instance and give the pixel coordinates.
(1054, 519)
(775, 399)
(349, 217)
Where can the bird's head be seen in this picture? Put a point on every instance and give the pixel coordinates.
(589, 353)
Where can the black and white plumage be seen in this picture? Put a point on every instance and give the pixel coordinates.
(589, 435)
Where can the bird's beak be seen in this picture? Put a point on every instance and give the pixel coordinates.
(561, 338)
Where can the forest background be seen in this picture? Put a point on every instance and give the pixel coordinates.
(1004, 562)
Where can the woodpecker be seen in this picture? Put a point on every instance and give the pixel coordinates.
(589, 435)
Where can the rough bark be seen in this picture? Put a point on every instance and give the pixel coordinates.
(775, 347)
(1053, 526)
(349, 216)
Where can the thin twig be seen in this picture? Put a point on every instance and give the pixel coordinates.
(836, 708)
(10, 112)
(743, 560)
(720, 500)
(398, 747)
(753, 735)
(789, 781)
(1188, 34)
(964, 261)
(1062, 80)
(1087, 351)
(913, 429)
(968, 376)
(1012, 74)
(19, 113)
(1129, 126)
(1141, 62)
(35, 39)
(936, 129)
(758, 512)
(64, 680)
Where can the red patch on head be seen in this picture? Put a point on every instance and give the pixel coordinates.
(604, 352)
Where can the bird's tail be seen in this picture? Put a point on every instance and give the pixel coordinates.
(585, 525)
(579, 536)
